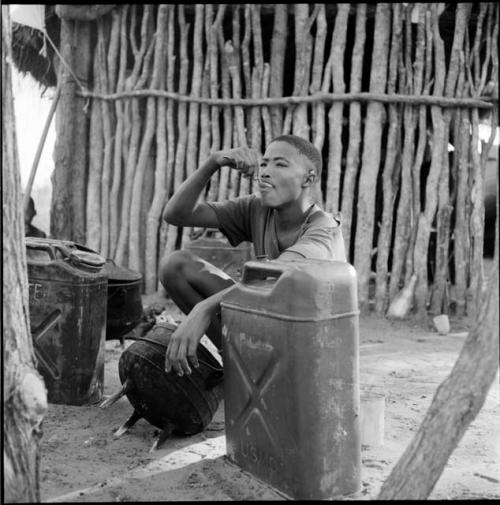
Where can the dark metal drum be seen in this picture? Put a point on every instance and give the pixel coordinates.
(181, 405)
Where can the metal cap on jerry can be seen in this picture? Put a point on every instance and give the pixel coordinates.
(218, 251)
(67, 305)
(291, 376)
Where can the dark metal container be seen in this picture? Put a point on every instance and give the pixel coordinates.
(67, 304)
(125, 309)
(183, 405)
(291, 368)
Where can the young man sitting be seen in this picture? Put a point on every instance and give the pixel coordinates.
(281, 220)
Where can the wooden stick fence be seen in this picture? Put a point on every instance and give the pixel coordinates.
(170, 88)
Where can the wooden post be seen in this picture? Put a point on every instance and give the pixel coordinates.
(371, 155)
(118, 159)
(278, 51)
(180, 152)
(391, 158)
(403, 216)
(132, 118)
(352, 157)
(108, 139)
(162, 168)
(303, 45)
(96, 140)
(438, 304)
(71, 149)
(143, 161)
(24, 396)
(335, 115)
(228, 118)
(438, 147)
(318, 65)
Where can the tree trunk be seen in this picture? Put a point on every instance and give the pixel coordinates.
(24, 394)
(454, 406)
(70, 156)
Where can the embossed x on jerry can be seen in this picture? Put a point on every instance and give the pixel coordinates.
(291, 376)
(67, 304)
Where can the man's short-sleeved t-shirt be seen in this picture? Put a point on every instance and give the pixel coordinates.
(246, 219)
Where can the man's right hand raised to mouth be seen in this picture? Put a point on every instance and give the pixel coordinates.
(244, 159)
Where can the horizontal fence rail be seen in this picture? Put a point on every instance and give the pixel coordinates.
(485, 102)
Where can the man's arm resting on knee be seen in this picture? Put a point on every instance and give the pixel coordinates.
(184, 341)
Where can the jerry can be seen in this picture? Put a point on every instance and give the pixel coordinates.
(291, 376)
(219, 252)
(67, 304)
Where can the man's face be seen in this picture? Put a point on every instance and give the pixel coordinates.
(282, 173)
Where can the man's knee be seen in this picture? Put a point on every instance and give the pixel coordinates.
(173, 267)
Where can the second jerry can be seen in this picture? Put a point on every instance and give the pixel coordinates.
(67, 305)
(291, 376)
(219, 252)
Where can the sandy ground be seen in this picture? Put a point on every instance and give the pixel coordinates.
(81, 461)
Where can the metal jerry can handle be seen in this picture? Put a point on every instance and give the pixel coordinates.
(45, 247)
(260, 270)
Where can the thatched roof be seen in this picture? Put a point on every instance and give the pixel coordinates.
(27, 46)
(27, 43)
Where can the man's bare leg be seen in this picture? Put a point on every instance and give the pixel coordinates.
(188, 279)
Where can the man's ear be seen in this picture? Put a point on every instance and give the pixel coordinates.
(310, 178)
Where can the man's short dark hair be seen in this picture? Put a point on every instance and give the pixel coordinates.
(305, 148)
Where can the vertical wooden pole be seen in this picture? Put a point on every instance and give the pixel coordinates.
(317, 71)
(278, 52)
(352, 156)
(108, 139)
(403, 216)
(462, 205)
(228, 114)
(195, 88)
(335, 115)
(303, 44)
(118, 160)
(371, 154)
(24, 399)
(257, 77)
(213, 56)
(93, 221)
(70, 154)
(180, 152)
(194, 108)
(443, 217)
(391, 156)
(439, 147)
(164, 163)
(422, 138)
(143, 163)
(132, 118)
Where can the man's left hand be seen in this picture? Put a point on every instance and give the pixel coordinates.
(181, 351)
